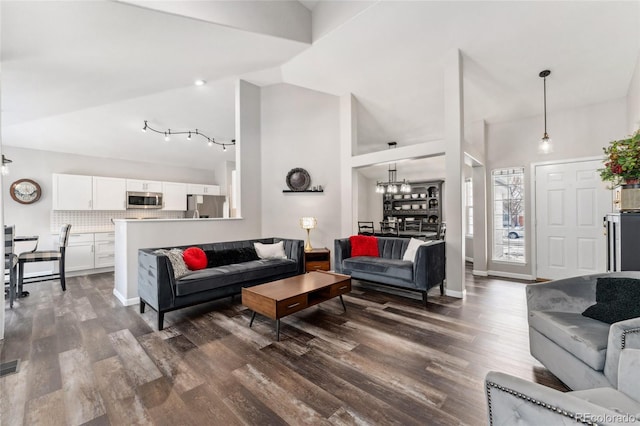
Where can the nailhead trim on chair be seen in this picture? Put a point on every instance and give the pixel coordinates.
(624, 335)
(535, 401)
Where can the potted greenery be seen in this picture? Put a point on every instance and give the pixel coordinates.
(623, 161)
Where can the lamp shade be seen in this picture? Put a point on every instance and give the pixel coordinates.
(308, 222)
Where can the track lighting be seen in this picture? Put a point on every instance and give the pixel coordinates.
(167, 135)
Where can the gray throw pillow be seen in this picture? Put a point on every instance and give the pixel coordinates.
(180, 269)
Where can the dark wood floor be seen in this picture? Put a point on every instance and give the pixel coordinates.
(85, 359)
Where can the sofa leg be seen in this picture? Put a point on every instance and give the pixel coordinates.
(424, 298)
(142, 305)
(160, 320)
(442, 288)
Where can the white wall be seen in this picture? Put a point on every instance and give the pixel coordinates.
(633, 100)
(300, 128)
(35, 219)
(576, 133)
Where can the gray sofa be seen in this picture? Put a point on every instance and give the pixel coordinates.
(427, 271)
(580, 351)
(513, 401)
(158, 288)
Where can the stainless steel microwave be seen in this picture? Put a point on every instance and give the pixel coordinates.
(144, 200)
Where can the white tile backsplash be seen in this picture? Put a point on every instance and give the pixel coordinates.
(100, 221)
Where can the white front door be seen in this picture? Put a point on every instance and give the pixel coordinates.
(571, 202)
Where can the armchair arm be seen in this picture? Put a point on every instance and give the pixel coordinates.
(629, 373)
(512, 400)
(429, 265)
(342, 250)
(623, 334)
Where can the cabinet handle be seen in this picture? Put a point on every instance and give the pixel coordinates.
(293, 305)
(343, 287)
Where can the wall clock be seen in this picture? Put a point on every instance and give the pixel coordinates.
(25, 191)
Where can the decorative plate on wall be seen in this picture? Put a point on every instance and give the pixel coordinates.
(298, 179)
(25, 191)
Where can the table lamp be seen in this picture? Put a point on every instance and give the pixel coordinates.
(308, 223)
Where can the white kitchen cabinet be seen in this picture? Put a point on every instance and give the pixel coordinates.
(72, 192)
(201, 189)
(104, 249)
(137, 185)
(79, 255)
(174, 196)
(109, 193)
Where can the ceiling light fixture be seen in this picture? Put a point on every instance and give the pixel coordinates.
(5, 165)
(391, 187)
(200, 82)
(545, 146)
(167, 135)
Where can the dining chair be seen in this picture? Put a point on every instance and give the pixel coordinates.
(46, 256)
(413, 226)
(389, 229)
(10, 261)
(365, 228)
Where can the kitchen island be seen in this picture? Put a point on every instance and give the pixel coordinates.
(134, 234)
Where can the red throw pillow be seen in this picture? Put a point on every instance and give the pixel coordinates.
(195, 258)
(364, 245)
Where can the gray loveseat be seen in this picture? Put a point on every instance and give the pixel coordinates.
(580, 351)
(427, 271)
(158, 288)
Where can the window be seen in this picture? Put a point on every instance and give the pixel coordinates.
(508, 215)
(468, 196)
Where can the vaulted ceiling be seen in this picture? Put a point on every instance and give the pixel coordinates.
(81, 76)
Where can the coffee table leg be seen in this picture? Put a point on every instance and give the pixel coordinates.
(343, 305)
(253, 316)
(278, 330)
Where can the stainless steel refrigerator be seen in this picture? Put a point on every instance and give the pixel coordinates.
(204, 206)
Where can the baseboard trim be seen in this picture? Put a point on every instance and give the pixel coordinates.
(513, 275)
(456, 294)
(478, 273)
(124, 300)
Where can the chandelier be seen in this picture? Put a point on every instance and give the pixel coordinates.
(167, 135)
(392, 185)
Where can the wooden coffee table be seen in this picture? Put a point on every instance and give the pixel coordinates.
(278, 299)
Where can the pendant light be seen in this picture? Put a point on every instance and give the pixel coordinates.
(393, 185)
(545, 146)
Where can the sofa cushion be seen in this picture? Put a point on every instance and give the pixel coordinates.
(376, 265)
(583, 337)
(195, 258)
(363, 245)
(229, 256)
(237, 273)
(617, 300)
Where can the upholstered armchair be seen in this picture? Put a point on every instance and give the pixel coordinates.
(582, 352)
(512, 401)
